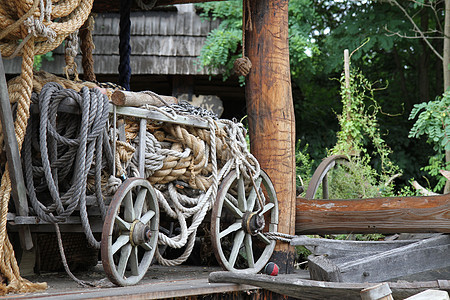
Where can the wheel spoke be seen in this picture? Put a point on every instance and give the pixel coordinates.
(232, 228)
(263, 238)
(249, 250)
(236, 247)
(121, 240)
(252, 196)
(147, 217)
(146, 246)
(128, 207)
(123, 261)
(134, 262)
(123, 225)
(234, 210)
(140, 201)
(232, 199)
(242, 203)
(267, 207)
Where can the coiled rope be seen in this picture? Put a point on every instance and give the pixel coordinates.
(76, 141)
(29, 28)
(185, 165)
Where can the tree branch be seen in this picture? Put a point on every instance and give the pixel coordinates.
(417, 29)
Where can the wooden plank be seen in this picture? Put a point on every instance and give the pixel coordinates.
(155, 115)
(154, 290)
(324, 269)
(425, 255)
(19, 193)
(271, 112)
(291, 285)
(338, 248)
(375, 215)
(420, 256)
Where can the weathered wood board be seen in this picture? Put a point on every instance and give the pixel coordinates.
(419, 256)
(292, 286)
(375, 215)
(339, 248)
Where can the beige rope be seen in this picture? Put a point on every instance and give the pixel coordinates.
(29, 28)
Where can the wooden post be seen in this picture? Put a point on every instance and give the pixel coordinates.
(271, 112)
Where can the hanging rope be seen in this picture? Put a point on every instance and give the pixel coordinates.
(87, 48)
(29, 28)
(243, 65)
(124, 44)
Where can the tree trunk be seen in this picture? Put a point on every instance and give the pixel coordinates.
(271, 112)
(446, 69)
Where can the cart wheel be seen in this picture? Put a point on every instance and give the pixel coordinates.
(320, 176)
(238, 223)
(130, 232)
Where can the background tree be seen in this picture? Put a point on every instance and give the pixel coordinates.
(404, 71)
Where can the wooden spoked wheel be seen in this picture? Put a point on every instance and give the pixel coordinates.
(320, 176)
(130, 232)
(239, 223)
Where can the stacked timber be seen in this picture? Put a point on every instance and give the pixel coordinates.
(356, 261)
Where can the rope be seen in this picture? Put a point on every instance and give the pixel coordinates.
(8, 264)
(70, 52)
(124, 44)
(74, 141)
(278, 236)
(87, 48)
(49, 23)
(243, 65)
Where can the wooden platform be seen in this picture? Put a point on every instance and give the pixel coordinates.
(159, 283)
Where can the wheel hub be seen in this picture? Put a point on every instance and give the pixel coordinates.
(253, 223)
(139, 233)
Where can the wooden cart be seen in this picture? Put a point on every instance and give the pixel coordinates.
(130, 228)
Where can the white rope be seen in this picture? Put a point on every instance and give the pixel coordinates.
(182, 203)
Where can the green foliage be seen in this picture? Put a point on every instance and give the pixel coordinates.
(304, 165)
(221, 47)
(433, 121)
(222, 44)
(359, 124)
(39, 58)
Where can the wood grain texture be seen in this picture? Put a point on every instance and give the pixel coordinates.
(270, 107)
(375, 215)
(163, 42)
(291, 285)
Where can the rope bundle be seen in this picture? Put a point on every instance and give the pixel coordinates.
(68, 150)
(185, 165)
(29, 28)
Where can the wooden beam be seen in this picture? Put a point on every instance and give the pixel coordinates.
(271, 112)
(375, 215)
(19, 191)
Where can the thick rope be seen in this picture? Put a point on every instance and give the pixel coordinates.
(8, 265)
(87, 48)
(124, 44)
(80, 146)
(66, 18)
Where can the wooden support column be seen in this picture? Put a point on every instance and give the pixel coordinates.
(271, 112)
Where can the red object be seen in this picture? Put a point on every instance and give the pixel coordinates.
(271, 269)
